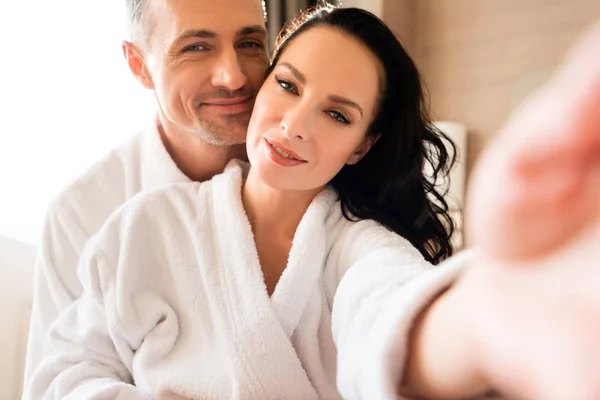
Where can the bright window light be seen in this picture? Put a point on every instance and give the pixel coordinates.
(66, 98)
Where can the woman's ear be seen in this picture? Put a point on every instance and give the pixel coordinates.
(362, 149)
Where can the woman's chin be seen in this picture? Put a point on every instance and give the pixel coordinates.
(283, 178)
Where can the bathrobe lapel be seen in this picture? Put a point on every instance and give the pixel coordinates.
(261, 326)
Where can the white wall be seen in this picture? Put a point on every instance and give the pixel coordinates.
(374, 6)
(480, 59)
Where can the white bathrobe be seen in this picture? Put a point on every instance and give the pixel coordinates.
(78, 213)
(175, 302)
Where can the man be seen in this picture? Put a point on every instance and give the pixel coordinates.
(205, 61)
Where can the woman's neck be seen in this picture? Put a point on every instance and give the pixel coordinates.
(275, 211)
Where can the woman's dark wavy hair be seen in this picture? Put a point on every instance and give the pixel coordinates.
(388, 185)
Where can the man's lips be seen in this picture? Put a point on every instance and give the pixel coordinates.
(229, 106)
(228, 102)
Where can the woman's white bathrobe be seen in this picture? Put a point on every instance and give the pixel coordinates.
(175, 302)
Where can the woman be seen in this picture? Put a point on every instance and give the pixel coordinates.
(184, 293)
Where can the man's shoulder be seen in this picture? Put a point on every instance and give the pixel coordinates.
(153, 216)
(178, 202)
(152, 202)
(109, 182)
(186, 196)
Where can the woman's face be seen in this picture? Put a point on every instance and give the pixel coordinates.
(313, 111)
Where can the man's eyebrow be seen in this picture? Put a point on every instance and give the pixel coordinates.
(196, 33)
(207, 34)
(249, 30)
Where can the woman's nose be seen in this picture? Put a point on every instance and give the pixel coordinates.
(296, 123)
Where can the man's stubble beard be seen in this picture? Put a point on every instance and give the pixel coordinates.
(230, 131)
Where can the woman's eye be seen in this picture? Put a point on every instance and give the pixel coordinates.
(339, 117)
(288, 86)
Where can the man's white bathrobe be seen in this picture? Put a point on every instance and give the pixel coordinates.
(174, 301)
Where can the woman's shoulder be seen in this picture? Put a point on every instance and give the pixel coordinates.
(348, 233)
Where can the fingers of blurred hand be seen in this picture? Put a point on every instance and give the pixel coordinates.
(531, 188)
(534, 217)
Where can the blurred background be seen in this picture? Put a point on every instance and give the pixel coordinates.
(66, 98)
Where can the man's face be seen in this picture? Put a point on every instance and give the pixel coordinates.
(206, 60)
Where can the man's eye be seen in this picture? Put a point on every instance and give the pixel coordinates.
(194, 48)
(251, 45)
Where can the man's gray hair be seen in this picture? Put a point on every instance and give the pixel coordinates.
(140, 25)
(138, 21)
